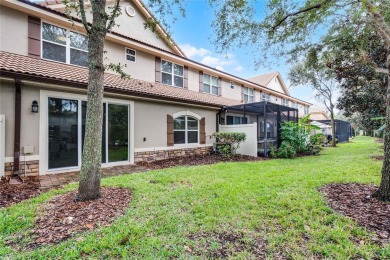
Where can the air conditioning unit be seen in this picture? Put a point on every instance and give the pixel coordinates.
(2, 144)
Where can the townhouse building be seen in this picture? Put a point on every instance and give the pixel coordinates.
(168, 108)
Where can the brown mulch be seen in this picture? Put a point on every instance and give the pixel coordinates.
(226, 245)
(377, 157)
(354, 201)
(197, 160)
(380, 140)
(63, 218)
(11, 194)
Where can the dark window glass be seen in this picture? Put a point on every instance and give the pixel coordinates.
(83, 121)
(206, 88)
(130, 55)
(53, 51)
(63, 133)
(192, 137)
(166, 78)
(245, 120)
(180, 123)
(179, 137)
(118, 132)
(237, 120)
(178, 81)
(229, 120)
(79, 57)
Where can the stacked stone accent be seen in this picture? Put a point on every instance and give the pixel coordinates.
(168, 154)
(32, 168)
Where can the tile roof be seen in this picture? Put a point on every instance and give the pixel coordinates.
(264, 79)
(60, 72)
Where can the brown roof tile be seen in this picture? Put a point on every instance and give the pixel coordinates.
(56, 71)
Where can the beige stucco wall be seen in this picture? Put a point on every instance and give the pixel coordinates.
(13, 31)
(133, 26)
(150, 121)
(29, 131)
(275, 84)
(143, 68)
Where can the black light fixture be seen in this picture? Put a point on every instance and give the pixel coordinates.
(34, 106)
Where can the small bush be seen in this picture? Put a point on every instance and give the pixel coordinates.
(286, 151)
(317, 139)
(228, 143)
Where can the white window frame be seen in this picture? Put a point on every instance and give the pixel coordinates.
(172, 73)
(127, 54)
(67, 44)
(306, 110)
(246, 93)
(44, 133)
(232, 85)
(186, 130)
(211, 84)
(285, 102)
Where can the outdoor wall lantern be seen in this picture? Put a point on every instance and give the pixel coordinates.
(34, 106)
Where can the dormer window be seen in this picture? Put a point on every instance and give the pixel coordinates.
(63, 45)
(172, 74)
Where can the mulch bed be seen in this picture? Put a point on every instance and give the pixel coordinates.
(12, 194)
(377, 157)
(62, 217)
(197, 160)
(354, 201)
(225, 245)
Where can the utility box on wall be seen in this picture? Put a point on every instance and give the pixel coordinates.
(2, 144)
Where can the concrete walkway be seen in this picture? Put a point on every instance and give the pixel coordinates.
(51, 181)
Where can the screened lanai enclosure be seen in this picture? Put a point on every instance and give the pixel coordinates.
(267, 117)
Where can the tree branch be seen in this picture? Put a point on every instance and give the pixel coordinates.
(380, 23)
(114, 13)
(315, 6)
(83, 17)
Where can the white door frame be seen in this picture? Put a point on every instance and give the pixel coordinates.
(2, 145)
(43, 130)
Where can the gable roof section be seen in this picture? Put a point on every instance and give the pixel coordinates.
(64, 74)
(265, 79)
(58, 6)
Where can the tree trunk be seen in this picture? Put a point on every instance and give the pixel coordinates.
(383, 193)
(333, 126)
(89, 185)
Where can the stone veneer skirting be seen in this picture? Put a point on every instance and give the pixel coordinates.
(168, 154)
(32, 168)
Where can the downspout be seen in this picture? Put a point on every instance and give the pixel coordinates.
(18, 108)
(265, 129)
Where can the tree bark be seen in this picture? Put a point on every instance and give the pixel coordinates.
(333, 126)
(89, 184)
(383, 193)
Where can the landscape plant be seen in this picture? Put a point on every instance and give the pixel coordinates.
(228, 142)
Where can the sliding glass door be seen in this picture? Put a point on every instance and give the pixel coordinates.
(67, 119)
(63, 133)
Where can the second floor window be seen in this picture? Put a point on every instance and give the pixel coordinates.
(172, 74)
(247, 94)
(285, 102)
(306, 110)
(62, 45)
(210, 84)
(294, 105)
(265, 97)
(130, 55)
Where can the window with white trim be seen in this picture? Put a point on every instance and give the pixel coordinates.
(186, 130)
(210, 84)
(232, 85)
(172, 74)
(63, 45)
(306, 110)
(247, 94)
(236, 120)
(265, 97)
(285, 102)
(294, 105)
(130, 55)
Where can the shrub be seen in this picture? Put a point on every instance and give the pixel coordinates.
(228, 143)
(286, 151)
(317, 139)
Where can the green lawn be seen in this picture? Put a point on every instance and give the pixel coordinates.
(274, 201)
